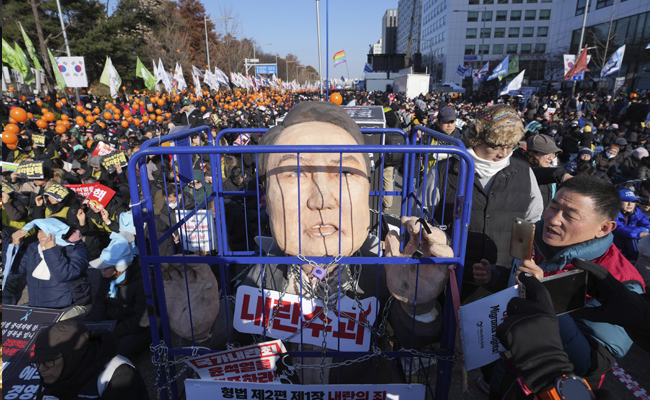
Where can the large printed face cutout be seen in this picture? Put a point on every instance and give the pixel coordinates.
(332, 200)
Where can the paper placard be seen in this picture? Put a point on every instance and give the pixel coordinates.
(198, 233)
(478, 327)
(249, 313)
(257, 361)
(551, 110)
(198, 389)
(31, 170)
(100, 197)
(110, 161)
(9, 166)
(39, 140)
(82, 191)
(57, 191)
(103, 149)
(7, 188)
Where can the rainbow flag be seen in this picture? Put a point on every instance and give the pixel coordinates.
(339, 58)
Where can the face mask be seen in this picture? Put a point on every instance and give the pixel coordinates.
(610, 155)
(173, 205)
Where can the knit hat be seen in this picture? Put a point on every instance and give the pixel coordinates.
(497, 125)
(585, 150)
(587, 128)
(640, 153)
(613, 127)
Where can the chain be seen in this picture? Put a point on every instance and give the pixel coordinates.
(325, 320)
(163, 361)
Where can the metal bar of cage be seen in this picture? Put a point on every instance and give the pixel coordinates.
(150, 257)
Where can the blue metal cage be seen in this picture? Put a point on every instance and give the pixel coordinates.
(184, 160)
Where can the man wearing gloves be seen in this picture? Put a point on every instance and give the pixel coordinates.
(55, 267)
(121, 296)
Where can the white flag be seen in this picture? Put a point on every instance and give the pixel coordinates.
(164, 77)
(197, 83)
(222, 78)
(514, 84)
(178, 76)
(614, 63)
(155, 71)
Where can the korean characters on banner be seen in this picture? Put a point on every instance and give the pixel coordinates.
(7, 188)
(99, 197)
(83, 190)
(110, 161)
(197, 389)
(31, 170)
(39, 140)
(103, 149)
(252, 314)
(258, 363)
(198, 232)
(57, 191)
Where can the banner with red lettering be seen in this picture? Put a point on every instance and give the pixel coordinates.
(100, 197)
(251, 316)
(82, 191)
(254, 363)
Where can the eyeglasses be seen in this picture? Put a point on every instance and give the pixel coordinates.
(47, 364)
(497, 149)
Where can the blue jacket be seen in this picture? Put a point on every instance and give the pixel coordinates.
(68, 284)
(629, 229)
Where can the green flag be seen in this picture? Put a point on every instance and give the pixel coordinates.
(9, 56)
(513, 67)
(30, 49)
(24, 67)
(57, 72)
(142, 72)
(111, 78)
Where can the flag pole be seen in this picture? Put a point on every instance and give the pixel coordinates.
(582, 35)
(348, 69)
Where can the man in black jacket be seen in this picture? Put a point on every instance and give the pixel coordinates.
(74, 363)
(188, 115)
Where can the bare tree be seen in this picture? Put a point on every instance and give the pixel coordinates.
(231, 48)
(554, 66)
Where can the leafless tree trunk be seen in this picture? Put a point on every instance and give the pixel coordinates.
(42, 43)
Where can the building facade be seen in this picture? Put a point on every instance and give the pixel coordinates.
(476, 31)
(609, 25)
(405, 29)
(389, 32)
(377, 47)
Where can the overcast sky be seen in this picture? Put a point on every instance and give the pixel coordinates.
(290, 25)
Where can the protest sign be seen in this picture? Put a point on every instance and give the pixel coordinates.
(110, 161)
(39, 140)
(99, 197)
(198, 232)
(198, 389)
(7, 188)
(57, 191)
(242, 139)
(478, 327)
(251, 317)
(254, 363)
(103, 149)
(82, 191)
(551, 110)
(31, 170)
(20, 325)
(9, 166)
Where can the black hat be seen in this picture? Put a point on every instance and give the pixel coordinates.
(446, 115)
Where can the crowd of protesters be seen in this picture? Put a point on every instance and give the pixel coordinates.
(61, 252)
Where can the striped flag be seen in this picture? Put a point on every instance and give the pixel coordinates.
(339, 58)
(367, 68)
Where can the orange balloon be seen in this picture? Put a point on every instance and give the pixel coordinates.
(103, 125)
(9, 137)
(158, 111)
(159, 118)
(167, 115)
(66, 124)
(125, 124)
(48, 116)
(116, 116)
(64, 101)
(89, 143)
(165, 144)
(108, 115)
(127, 113)
(152, 116)
(69, 90)
(64, 117)
(161, 102)
(13, 128)
(59, 122)
(116, 110)
(136, 122)
(123, 87)
(90, 119)
(18, 114)
(60, 129)
(39, 103)
(41, 123)
(145, 119)
(12, 121)
(12, 146)
(96, 110)
(44, 110)
(81, 123)
(202, 108)
(30, 115)
(11, 88)
(80, 108)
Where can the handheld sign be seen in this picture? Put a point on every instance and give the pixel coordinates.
(103, 149)
(7, 188)
(100, 197)
(110, 161)
(39, 140)
(31, 170)
(82, 191)
(57, 191)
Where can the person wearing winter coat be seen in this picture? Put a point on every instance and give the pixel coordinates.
(55, 268)
(57, 201)
(606, 162)
(74, 363)
(189, 115)
(121, 296)
(631, 225)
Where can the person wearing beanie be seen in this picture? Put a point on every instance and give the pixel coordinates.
(606, 162)
(631, 225)
(74, 363)
(504, 188)
(631, 162)
(188, 115)
(121, 295)
(585, 156)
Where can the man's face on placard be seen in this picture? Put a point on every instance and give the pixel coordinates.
(332, 201)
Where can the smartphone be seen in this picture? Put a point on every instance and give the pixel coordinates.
(568, 290)
(521, 239)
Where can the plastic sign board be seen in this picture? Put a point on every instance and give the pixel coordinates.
(198, 232)
(198, 389)
(265, 69)
(253, 312)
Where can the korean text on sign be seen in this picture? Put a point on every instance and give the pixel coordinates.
(252, 314)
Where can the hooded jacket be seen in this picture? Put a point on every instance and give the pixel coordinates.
(93, 368)
(68, 284)
(627, 227)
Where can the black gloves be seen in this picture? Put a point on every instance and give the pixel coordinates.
(620, 306)
(532, 335)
